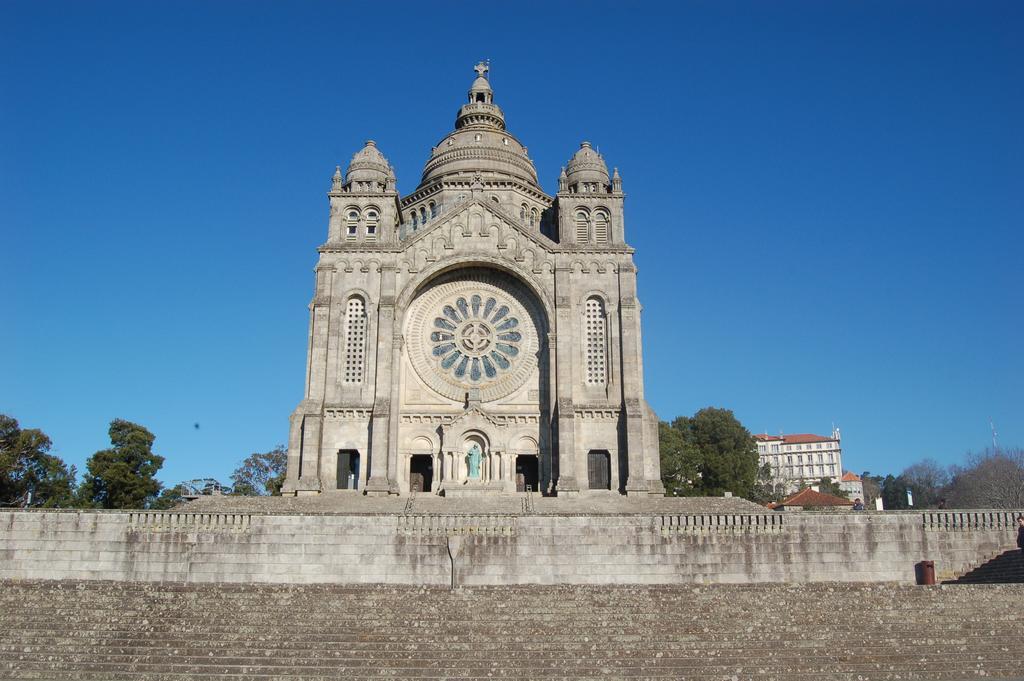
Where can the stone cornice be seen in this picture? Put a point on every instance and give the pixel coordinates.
(360, 247)
(595, 195)
(598, 250)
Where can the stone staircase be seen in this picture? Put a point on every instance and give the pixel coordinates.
(1006, 568)
(836, 632)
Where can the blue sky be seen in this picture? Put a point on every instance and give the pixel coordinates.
(825, 198)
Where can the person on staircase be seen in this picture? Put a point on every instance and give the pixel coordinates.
(1020, 533)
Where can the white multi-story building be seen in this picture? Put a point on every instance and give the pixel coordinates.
(801, 457)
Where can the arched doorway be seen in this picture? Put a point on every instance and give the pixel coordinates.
(527, 473)
(421, 473)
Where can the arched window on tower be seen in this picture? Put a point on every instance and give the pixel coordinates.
(601, 227)
(582, 227)
(414, 220)
(522, 212)
(423, 215)
(354, 354)
(533, 217)
(433, 210)
(351, 225)
(372, 218)
(595, 327)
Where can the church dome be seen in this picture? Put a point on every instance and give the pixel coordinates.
(369, 165)
(480, 143)
(586, 165)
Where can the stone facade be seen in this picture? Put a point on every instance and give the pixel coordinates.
(477, 336)
(497, 549)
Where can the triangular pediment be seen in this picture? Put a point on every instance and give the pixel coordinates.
(493, 214)
(472, 416)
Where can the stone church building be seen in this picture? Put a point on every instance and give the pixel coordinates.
(477, 336)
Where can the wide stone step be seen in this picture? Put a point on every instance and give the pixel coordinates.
(173, 632)
(1006, 568)
(527, 668)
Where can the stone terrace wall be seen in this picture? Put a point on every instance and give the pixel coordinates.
(421, 549)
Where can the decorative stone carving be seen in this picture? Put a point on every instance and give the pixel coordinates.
(477, 332)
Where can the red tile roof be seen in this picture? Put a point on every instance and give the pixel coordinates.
(808, 497)
(796, 438)
(850, 477)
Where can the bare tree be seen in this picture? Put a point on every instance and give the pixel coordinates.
(928, 480)
(991, 479)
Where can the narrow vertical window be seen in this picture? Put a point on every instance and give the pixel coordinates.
(433, 210)
(351, 225)
(533, 217)
(423, 215)
(355, 341)
(582, 227)
(371, 225)
(595, 340)
(601, 228)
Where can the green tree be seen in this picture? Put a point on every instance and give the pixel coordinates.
(169, 498)
(124, 475)
(679, 462)
(29, 475)
(830, 486)
(721, 450)
(894, 493)
(728, 452)
(262, 473)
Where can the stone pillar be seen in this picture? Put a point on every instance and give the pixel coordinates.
(563, 341)
(309, 480)
(380, 428)
(304, 429)
(319, 333)
(393, 417)
(632, 380)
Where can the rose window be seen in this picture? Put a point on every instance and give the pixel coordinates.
(475, 339)
(478, 330)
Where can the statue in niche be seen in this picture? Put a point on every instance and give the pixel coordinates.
(473, 458)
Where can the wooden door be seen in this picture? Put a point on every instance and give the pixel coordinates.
(599, 469)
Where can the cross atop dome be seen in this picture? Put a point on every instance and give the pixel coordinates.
(482, 68)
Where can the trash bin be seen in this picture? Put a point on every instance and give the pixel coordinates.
(925, 572)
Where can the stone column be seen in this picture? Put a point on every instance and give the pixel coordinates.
(395, 399)
(632, 380)
(380, 428)
(563, 352)
(436, 465)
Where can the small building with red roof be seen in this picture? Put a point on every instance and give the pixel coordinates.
(852, 485)
(810, 500)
